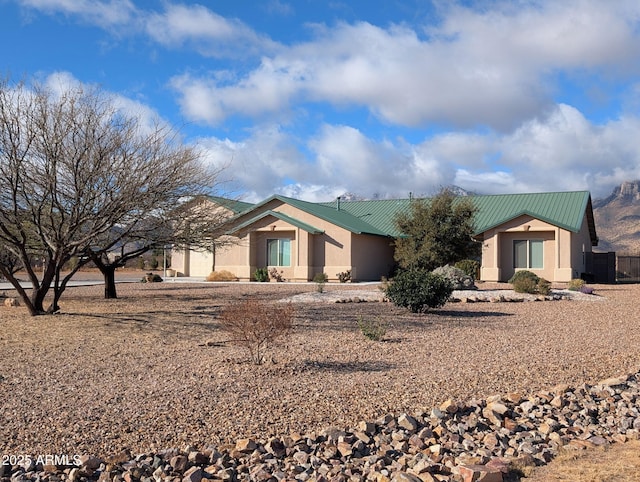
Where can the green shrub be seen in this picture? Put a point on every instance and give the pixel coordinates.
(575, 284)
(470, 267)
(528, 282)
(418, 290)
(320, 279)
(459, 279)
(344, 276)
(140, 262)
(373, 329)
(261, 275)
(544, 287)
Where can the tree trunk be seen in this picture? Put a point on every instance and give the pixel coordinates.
(109, 273)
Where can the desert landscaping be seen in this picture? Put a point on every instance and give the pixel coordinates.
(152, 370)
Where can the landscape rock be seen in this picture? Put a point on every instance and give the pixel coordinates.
(455, 442)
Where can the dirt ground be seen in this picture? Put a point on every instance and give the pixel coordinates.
(153, 369)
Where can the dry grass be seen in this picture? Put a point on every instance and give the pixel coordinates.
(221, 276)
(615, 463)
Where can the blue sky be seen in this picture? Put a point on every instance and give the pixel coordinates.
(313, 98)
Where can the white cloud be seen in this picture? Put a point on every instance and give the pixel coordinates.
(493, 66)
(148, 118)
(98, 12)
(558, 152)
(260, 163)
(211, 34)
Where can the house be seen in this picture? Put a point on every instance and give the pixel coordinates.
(550, 234)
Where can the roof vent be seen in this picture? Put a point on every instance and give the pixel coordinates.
(338, 203)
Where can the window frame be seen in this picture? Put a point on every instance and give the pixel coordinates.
(532, 254)
(280, 253)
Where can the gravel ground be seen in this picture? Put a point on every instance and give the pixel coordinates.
(153, 370)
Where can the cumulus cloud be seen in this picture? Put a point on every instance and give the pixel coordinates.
(258, 164)
(494, 66)
(148, 118)
(212, 34)
(486, 80)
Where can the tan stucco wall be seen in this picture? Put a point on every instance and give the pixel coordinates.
(190, 262)
(563, 258)
(373, 256)
(580, 244)
(334, 251)
(328, 252)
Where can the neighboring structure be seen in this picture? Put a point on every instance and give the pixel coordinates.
(547, 233)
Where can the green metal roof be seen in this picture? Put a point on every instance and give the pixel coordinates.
(339, 217)
(293, 221)
(380, 214)
(232, 204)
(563, 209)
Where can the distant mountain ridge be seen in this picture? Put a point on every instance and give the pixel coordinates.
(617, 219)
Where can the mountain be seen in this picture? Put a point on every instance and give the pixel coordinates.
(617, 219)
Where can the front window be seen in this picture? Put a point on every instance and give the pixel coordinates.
(528, 254)
(279, 252)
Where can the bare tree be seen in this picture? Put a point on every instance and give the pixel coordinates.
(193, 223)
(74, 170)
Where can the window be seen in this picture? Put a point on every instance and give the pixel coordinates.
(278, 252)
(528, 254)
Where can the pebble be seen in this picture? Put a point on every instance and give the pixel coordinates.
(469, 443)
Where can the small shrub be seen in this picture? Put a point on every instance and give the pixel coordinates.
(543, 287)
(524, 281)
(275, 275)
(261, 275)
(528, 282)
(320, 279)
(256, 326)
(151, 278)
(140, 262)
(470, 267)
(374, 329)
(418, 290)
(344, 276)
(223, 275)
(575, 284)
(459, 279)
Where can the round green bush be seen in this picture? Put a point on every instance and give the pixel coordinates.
(418, 290)
(528, 282)
(576, 284)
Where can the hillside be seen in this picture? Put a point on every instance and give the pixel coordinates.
(618, 219)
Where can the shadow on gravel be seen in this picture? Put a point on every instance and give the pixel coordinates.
(468, 314)
(161, 320)
(348, 367)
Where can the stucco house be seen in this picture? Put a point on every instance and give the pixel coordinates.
(550, 234)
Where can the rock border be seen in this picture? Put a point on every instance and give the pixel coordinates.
(476, 440)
